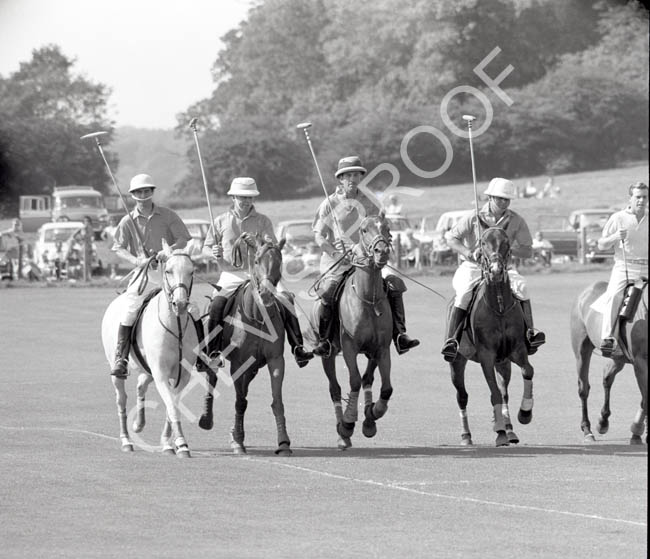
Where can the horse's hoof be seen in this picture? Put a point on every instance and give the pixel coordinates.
(127, 447)
(138, 427)
(238, 449)
(169, 451)
(502, 439)
(512, 437)
(344, 443)
(466, 439)
(183, 453)
(525, 416)
(589, 438)
(369, 428)
(283, 450)
(636, 439)
(345, 429)
(206, 422)
(603, 426)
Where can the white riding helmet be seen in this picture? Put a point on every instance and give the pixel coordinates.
(141, 181)
(243, 186)
(502, 188)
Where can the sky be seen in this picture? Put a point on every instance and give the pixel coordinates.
(155, 55)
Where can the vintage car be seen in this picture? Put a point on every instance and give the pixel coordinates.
(435, 234)
(52, 234)
(198, 229)
(576, 236)
(301, 254)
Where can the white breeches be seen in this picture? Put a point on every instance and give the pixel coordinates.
(617, 282)
(134, 300)
(468, 276)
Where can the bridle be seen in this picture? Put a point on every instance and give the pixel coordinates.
(170, 289)
(494, 264)
(372, 251)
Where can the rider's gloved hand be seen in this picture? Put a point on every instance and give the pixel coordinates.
(217, 251)
(248, 239)
(141, 261)
(161, 256)
(340, 245)
(474, 256)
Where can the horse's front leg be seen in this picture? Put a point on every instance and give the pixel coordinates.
(378, 409)
(504, 372)
(609, 374)
(369, 425)
(487, 362)
(237, 433)
(120, 401)
(329, 366)
(520, 358)
(583, 349)
(351, 413)
(173, 419)
(457, 369)
(144, 380)
(206, 420)
(276, 369)
(639, 424)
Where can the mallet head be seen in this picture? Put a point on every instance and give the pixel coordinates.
(303, 125)
(92, 135)
(469, 118)
(193, 122)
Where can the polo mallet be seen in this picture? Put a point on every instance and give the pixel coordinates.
(205, 182)
(627, 279)
(96, 136)
(304, 126)
(469, 119)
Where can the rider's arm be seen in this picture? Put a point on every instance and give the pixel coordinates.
(458, 247)
(610, 234)
(522, 243)
(324, 244)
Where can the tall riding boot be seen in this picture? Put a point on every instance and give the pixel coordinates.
(534, 337)
(402, 341)
(294, 336)
(122, 351)
(215, 327)
(201, 365)
(324, 347)
(450, 347)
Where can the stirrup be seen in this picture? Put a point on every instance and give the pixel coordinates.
(216, 360)
(408, 343)
(121, 368)
(450, 350)
(535, 337)
(323, 349)
(301, 355)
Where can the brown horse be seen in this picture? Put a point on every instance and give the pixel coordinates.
(495, 337)
(365, 326)
(253, 336)
(586, 335)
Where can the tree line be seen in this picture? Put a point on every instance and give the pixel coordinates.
(368, 74)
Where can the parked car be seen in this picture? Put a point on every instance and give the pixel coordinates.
(576, 236)
(6, 266)
(198, 229)
(50, 234)
(300, 254)
(427, 232)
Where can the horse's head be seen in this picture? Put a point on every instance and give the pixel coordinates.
(495, 254)
(267, 269)
(374, 235)
(178, 276)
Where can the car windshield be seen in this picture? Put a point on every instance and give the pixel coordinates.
(594, 222)
(197, 230)
(299, 232)
(53, 235)
(81, 202)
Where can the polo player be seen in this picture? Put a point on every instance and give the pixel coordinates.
(336, 230)
(243, 220)
(627, 231)
(154, 224)
(462, 238)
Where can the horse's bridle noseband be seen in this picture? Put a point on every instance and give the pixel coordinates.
(369, 248)
(169, 289)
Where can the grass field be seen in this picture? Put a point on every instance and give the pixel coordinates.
(412, 491)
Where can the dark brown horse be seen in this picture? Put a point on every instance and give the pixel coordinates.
(365, 327)
(586, 335)
(253, 336)
(494, 338)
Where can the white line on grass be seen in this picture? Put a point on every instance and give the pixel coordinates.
(61, 430)
(442, 496)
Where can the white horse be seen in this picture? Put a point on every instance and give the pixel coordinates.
(167, 340)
